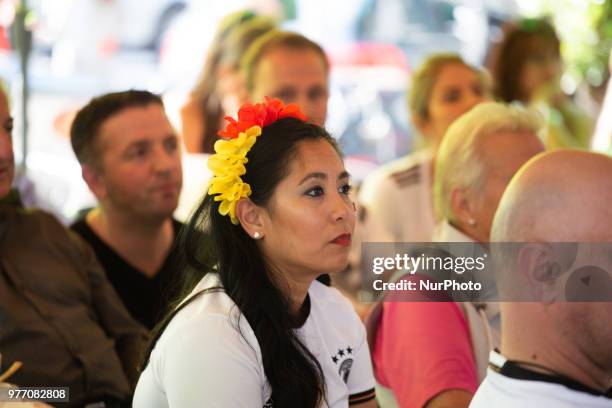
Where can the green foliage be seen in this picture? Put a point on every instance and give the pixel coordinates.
(585, 28)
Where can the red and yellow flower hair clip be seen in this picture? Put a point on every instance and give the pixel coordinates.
(227, 164)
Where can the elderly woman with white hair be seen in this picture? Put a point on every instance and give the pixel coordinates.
(420, 361)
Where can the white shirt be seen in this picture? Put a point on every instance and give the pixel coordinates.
(398, 198)
(500, 391)
(202, 360)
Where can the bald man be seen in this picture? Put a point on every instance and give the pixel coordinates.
(553, 353)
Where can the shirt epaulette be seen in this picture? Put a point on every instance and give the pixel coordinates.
(404, 178)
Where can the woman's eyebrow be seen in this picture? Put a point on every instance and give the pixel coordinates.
(343, 175)
(317, 175)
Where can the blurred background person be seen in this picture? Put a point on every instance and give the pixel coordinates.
(290, 67)
(555, 352)
(527, 68)
(395, 201)
(424, 362)
(398, 196)
(59, 315)
(220, 88)
(130, 158)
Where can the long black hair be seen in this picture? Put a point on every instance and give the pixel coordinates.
(210, 241)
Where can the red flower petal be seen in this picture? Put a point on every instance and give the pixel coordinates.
(260, 114)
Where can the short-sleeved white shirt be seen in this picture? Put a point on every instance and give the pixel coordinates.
(500, 391)
(203, 360)
(397, 198)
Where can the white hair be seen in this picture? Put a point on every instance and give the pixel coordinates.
(459, 163)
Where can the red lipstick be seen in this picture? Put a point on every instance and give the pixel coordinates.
(342, 240)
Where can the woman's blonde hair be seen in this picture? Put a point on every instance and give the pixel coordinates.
(424, 78)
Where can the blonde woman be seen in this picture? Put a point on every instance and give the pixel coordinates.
(398, 197)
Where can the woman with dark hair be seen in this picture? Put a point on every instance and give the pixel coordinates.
(527, 68)
(258, 330)
(220, 89)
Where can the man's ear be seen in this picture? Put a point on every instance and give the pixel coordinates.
(461, 207)
(251, 218)
(541, 270)
(94, 179)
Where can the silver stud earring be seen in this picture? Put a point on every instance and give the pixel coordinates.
(472, 222)
(256, 235)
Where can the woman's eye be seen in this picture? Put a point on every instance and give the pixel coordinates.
(315, 192)
(346, 189)
(452, 96)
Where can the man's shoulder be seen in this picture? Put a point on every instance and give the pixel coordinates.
(404, 173)
(498, 390)
(36, 234)
(84, 231)
(31, 220)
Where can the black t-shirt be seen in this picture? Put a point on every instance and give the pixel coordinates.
(145, 298)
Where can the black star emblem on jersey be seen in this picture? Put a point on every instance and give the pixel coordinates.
(335, 359)
(349, 350)
(341, 352)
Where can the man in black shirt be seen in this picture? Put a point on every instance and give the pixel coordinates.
(130, 159)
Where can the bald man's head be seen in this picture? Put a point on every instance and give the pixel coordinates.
(558, 196)
(562, 196)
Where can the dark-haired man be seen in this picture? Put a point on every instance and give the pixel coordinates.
(130, 159)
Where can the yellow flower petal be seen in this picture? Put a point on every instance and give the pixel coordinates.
(227, 165)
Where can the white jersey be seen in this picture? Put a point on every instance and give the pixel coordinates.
(203, 360)
(398, 198)
(500, 391)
